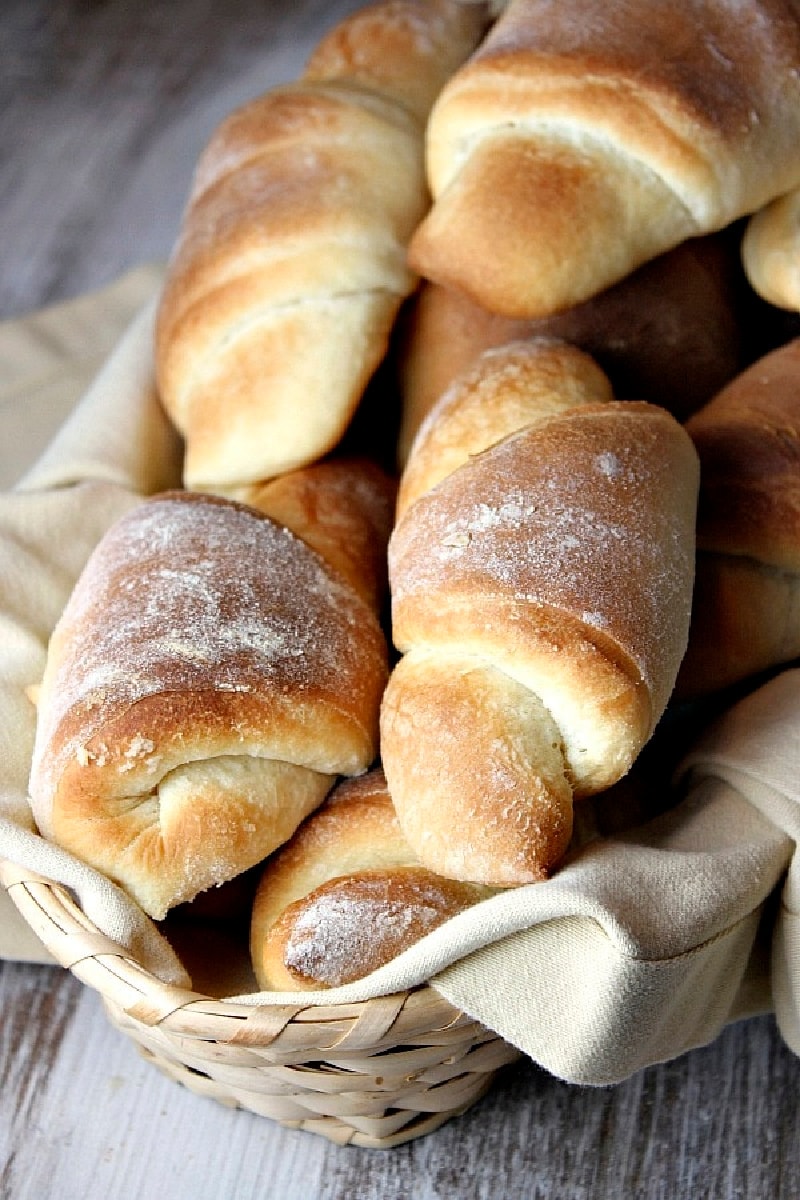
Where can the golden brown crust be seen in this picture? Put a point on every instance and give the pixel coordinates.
(746, 617)
(346, 894)
(541, 597)
(745, 620)
(461, 737)
(400, 49)
(771, 251)
(669, 333)
(343, 509)
(209, 677)
(581, 140)
(290, 266)
(283, 287)
(548, 189)
(503, 390)
(748, 439)
(584, 518)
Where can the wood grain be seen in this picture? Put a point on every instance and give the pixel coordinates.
(104, 107)
(85, 1116)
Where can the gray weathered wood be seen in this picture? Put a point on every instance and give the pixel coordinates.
(84, 1116)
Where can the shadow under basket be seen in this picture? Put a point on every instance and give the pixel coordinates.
(374, 1074)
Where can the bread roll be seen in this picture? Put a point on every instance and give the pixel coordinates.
(346, 894)
(771, 251)
(670, 333)
(582, 139)
(746, 616)
(541, 595)
(210, 677)
(290, 265)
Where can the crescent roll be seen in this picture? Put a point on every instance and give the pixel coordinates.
(346, 894)
(290, 265)
(583, 138)
(211, 676)
(541, 584)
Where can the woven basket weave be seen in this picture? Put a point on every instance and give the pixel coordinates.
(374, 1074)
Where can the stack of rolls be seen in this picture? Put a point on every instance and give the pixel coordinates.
(381, 694)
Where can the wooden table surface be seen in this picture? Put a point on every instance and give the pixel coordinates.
(105, 106)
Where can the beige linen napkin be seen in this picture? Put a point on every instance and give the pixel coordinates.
(643, 945)
(116, 447)
(49, 358)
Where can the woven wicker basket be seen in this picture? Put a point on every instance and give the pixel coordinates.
(374, 1074)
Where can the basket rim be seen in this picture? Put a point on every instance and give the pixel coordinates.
(55, 916)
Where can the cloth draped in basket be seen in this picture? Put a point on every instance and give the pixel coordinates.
(642, 946)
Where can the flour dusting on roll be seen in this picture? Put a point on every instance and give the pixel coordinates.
(541, 596)
(584, 138)
(347, 894)
(209, 679)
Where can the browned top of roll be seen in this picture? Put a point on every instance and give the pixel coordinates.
(669, 333)
(199, 621)
(582, 139)
(403, 48)
(587, 517)
(675, 51)
(504, 390)
(350, 926)
(290, 264)
(748, 440)
(346, 894)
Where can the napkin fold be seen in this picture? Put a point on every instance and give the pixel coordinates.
(49, 358)
(105, 443)
(643, 945)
